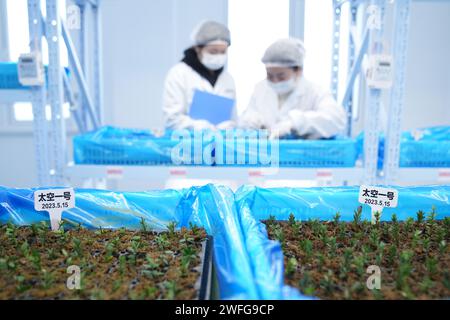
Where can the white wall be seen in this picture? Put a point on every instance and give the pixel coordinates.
(142, 40)
(427, 88)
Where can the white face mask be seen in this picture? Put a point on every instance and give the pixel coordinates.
(283, 87)
(213, 61)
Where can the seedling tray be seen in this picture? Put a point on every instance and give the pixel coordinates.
(345, 260)
(113, 264)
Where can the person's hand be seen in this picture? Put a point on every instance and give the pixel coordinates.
(254, 121)
(224, 125)
(281, 129)
(203, 125)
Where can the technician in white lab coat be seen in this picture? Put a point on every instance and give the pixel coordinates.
(286, 103)
(202, 68)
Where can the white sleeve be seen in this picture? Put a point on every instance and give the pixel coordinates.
(327, 118)
(174, 98)
(250, 118)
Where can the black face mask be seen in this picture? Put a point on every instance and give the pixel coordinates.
(191, 59)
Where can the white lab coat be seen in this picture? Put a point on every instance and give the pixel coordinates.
(179, 88)
(313, 111)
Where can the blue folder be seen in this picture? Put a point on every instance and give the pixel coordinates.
(211, 107)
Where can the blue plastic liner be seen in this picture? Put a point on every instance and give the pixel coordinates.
(9, 77)
(209, 207)
(257, 204)
(427, 147)
(118, 146)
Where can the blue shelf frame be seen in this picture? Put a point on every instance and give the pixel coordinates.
(87, 109)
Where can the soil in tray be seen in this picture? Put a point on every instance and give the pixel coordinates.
(113, 264)
(331, 260)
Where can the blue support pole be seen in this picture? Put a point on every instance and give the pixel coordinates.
(335, 47)
(375, 23)
(38, 93)
(79, 75)
(57, 139)
(397, 98)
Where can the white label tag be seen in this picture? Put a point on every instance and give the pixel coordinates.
(54, 201)
(378, 198)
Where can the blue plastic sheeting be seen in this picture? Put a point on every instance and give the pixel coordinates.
(257, 204)
(117, 146)
(266, 256)
(9, 77)
(209, 207)
(427, 147)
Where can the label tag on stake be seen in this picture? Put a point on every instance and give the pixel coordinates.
(378, 198)
(54, 201)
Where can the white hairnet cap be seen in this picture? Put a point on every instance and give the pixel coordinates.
(210, 32)
(288, 52)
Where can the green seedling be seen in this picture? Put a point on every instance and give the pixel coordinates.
(332, 245)
(109, 251)
(52, 254)
(442, 247)
(291, 267)
(306, 284)
(3, 264)
(420, 216)
(151, 268)
(426, 285)
(336, 218)
(194, 229)
(307, 247)
(117, 284)
(144, 227)
(404, 269)
(171, 227)
(150, 292)
(409, 223)
(359, 264)
(447, 279)
(278, 233)
(327, 282)
(377, 217)
(11, 231)
(271, 220)
(122, 265)
(78, 250)
(47, 279)
(357, 216)
(394, 218)
(416, 238)
(188, 255)
(346, 261)
(320, 261)
(21, 286)
(426, 243)
(25, 248)
(432, 265)
(171, 289)
(380, 253)
(161, 241)
(291, 220)
(374, 238)
(432, 214)
(35, 259)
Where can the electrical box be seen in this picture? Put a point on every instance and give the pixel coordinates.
(30, 69)
(379, 74)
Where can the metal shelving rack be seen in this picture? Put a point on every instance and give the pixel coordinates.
(50, 136)
(54, 169)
